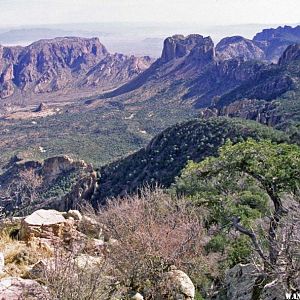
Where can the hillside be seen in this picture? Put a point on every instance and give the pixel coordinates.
(163, 159)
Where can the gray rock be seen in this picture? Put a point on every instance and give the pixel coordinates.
(240, 281)
(44, 217)
(75, 214)
(14, 288)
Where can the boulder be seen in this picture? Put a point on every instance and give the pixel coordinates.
(90, 227)
(137, 296)
(177, 285)
(84, 261)
(75, 214)
(14, 288)
(42, 223)
(240, 281)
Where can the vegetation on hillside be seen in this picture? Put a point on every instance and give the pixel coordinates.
(162, 160)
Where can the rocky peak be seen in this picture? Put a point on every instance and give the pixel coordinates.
(194, 46)
(292, 53)
(286, 32)
(239, 47)
(51, 65)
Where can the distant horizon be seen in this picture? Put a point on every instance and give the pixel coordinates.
(137, 38)
(202, 12)
(141, 23)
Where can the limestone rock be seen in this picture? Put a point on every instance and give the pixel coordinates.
(44, 217)
(42, 223)
(177, 285)
(14, 288)
(84, 261)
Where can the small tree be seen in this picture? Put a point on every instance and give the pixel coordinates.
(218, 182)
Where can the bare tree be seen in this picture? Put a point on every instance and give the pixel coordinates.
(153, 232)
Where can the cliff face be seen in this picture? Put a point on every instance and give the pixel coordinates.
(274, 41)
(194, 47)
(51, 65)
(292, 53)
(58, 182)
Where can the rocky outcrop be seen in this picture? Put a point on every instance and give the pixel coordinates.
(291, 54)
(239, 47)
(54, 166)
(274, 41)
(194, 46)
(54, 173)
(51, 65)
(42, 223)
(244, 282)
(258, 110)
(14, 288)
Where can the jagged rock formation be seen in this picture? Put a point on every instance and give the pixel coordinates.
(189, 68)
(274, 41)
(193, 46)
(51, 65)
(239, 47)
(60, 182)
(243, 282)
(270, 82)
(292, 53)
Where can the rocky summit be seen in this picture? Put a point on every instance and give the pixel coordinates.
(239, 47)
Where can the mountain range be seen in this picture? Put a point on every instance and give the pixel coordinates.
(68, 63)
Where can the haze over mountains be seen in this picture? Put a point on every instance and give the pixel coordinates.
(137, 39)
(62, 64)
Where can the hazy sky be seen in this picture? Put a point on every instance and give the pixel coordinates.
(209, 12)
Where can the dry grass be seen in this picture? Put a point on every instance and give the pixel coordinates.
(18, 255)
